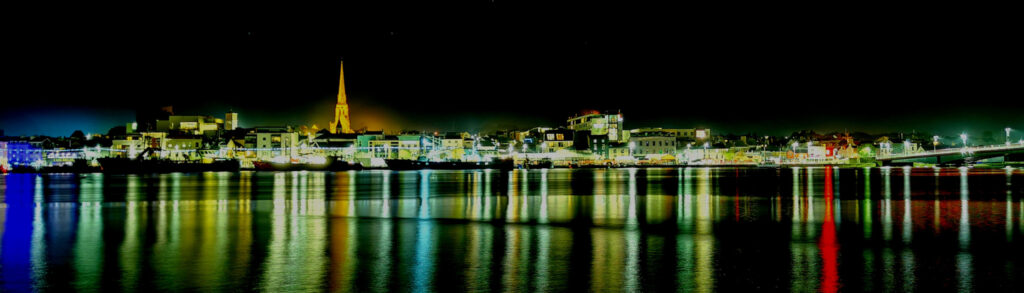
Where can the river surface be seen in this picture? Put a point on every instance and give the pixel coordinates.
(686, 229)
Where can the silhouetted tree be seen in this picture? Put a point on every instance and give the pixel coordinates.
(117, 131)
(78, 135)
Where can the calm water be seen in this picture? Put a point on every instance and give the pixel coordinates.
(817, 229)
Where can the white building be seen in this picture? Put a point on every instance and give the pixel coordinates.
(270, 142)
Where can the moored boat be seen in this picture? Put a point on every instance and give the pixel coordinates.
(330, 164)
(124, 165)
(398, 164)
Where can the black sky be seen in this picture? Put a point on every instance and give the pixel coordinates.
(479, 65)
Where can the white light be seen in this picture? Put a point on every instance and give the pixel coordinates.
(318, 160)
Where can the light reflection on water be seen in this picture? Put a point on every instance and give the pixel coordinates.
(691, 229)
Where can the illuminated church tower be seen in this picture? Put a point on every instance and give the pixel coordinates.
(341, 123)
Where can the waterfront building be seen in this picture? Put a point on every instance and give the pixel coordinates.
(182, 147)
(818, 152)
(337, 144)
(529, 140)
(274, 141)
(3, 156)
(363, 139)
(488, 147)
(453, 140)
(128, 146)
(652, 142)
(193, 125)
(21, 153)
(384, 146)
(410, 146)
(618, 150)
(840, 147)
(599, 145)
(132, 144)
(230, 121)
(599, 123)
(341, 120)
(681, 134)
(557, 139)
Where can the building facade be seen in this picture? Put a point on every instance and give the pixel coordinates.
(652, 142)
(230, 121)
(557, 139)
(609, 124)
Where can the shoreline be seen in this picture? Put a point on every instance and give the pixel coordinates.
(745, 166)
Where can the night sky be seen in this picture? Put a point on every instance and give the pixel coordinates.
(480, 65)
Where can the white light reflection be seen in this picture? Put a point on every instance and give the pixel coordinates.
(543, 217)
(631, 210)
(907, 217)
(424, 196)
(385, 194)
(1009, 205)
(866, 204)
(687, 205)
(963, 259)
(965, 227)
(887, 205)
(837, 203)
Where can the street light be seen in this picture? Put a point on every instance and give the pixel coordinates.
(1007, 136)
(963, 136)
(935, 142)
(706, 150)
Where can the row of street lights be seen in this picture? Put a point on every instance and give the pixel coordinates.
(963, 136)
(935, 141)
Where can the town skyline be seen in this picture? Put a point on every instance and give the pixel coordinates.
(488, 68)
(101, 128)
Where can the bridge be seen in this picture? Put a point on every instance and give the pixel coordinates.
(954, 155)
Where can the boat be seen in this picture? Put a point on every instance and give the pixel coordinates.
(125, 165)
(143, 164)
(769, 163)
(401, 164)
(538, 164)
(331, 164)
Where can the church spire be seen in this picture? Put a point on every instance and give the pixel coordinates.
(342, 99)
(341, 123)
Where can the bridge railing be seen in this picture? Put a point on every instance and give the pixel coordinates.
(954, 151)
